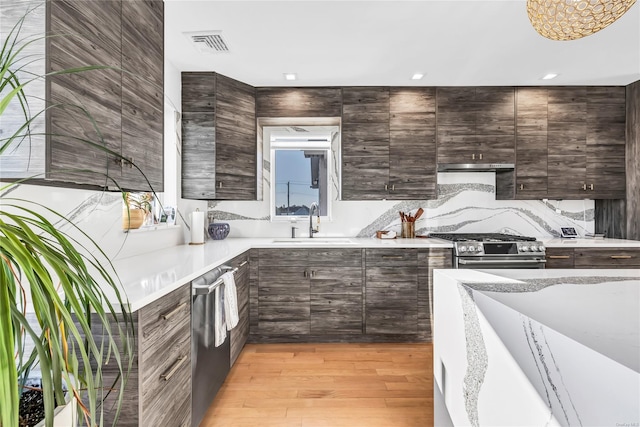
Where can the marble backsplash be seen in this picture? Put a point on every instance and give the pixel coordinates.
(466, 203)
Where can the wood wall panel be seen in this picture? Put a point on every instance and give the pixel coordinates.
(298, 102)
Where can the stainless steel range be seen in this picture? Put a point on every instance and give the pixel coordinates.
(494, 250)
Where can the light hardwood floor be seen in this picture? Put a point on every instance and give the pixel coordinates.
(328, 385)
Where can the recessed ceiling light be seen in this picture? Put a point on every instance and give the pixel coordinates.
(417, 76)
(290, 76)
(550, 76)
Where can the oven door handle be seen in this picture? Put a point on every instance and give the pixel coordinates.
(503, 261)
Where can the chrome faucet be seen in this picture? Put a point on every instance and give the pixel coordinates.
(314, 206)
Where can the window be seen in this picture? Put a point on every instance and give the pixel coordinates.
(299, 175)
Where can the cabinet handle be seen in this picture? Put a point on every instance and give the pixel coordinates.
(584, 187)
(559, 256)
(591, 187)
(243, 263)
(522, 186)
(167, 375)
(393, 187)
(173, 312)
(391, 256)
(480, 156)
(313, 273)
(305, 274)
(219, 184)
(386, 187)
(473, 156)
(438, 257)
(621, 257)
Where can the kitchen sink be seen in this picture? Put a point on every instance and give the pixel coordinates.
(315, 241)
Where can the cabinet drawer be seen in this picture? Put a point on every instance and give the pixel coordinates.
(607, 258)
(162, 320)
(391, 258)
(166, 383)
(560, 258)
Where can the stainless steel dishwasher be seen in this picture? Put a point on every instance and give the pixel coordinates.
(209, 364)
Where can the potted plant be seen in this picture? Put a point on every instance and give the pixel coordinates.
(54, 288)
(137, 207)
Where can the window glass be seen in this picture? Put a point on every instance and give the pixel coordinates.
(299, 177)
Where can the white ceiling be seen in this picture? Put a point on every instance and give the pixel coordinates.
(379, 43)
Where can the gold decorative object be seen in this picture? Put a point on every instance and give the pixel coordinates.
(574, 19)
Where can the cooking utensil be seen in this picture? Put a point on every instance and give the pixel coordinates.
(419, 214)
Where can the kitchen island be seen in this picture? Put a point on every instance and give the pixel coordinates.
(538, 347)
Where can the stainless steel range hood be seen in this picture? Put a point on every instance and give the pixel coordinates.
(474, 167)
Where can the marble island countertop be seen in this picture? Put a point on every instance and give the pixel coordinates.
(538, 347)
(147, 277)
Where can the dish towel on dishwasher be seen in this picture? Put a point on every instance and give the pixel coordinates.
(230, 300)
(220, 328)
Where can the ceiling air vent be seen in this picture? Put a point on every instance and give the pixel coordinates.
(208, 41)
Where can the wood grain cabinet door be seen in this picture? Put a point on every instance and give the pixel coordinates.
(236, 154)
(143, 94)
(567, 139)
(97, 91)
(391, 296)
(219, 152)
(283, 292)
(456, 125)
(412, 143)
(495, 124)
(365, 143)
(531, 143)
(606, 118)
(336, 291)
(126, 108)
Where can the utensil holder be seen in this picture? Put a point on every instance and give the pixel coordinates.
(408, 230)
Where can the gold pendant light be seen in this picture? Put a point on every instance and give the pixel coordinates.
(574, 19)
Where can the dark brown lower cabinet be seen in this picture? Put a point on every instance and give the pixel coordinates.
(391, 291)
(158, 390)
(343, 295)
(593, 258)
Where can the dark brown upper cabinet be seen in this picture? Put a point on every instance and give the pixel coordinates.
(298, 102)
(412, 139)
(388, 143)
(531, 143)
(365, 143)
(570, 143)
(122, 111)
(476, 124)
(218, 138)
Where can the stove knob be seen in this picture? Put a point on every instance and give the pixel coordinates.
(472, 248)
(463, 249)
(541, 248)
(524, 248)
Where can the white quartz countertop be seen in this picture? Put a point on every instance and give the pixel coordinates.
(588, 243)
(147, 277)
(597, 308)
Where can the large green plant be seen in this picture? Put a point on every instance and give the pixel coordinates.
(64, 278)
